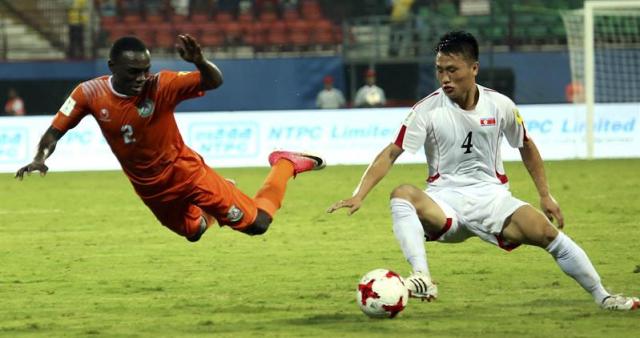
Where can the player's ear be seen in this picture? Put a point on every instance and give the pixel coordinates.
(110, 64)
(475, 68)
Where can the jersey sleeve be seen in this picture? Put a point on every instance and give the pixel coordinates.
(72, 111)
(383, 98)
(513, 126)
(412, 133)
(341, 99)
(180, 86)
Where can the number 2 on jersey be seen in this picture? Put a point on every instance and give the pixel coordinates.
(127, 134)
(467, 144)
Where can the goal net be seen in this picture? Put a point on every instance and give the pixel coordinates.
(604, 48)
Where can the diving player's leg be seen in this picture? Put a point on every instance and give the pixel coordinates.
(232, 207)
(268, 199)
(284, 166)
(223, 201)
(180, 216)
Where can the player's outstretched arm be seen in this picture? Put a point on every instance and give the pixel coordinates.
(190, 51)
(376, 171)
(533, 162)
(46, 146)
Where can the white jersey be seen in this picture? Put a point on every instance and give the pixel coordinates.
(330, 99)
(462, 147)
(370, 96)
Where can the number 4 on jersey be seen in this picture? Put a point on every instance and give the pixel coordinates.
(467, 144)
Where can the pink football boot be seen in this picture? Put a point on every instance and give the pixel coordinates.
(301, 161)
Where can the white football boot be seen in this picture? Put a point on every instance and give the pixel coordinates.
(620, 303)
(421, 286)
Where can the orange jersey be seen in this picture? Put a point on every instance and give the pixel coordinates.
(141, 130)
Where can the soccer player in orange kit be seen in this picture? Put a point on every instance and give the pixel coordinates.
(134, 110)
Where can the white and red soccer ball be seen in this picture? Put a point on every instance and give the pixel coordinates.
(382, 294)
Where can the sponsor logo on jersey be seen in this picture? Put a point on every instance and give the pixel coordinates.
(146, 108)
(183, 73)
(67, 106)
(234, 214)
(487, 121)
(104, 115)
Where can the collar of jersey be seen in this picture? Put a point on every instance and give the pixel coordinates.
(113, 90)
(475, 109)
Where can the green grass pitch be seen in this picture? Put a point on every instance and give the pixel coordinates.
(81, 256)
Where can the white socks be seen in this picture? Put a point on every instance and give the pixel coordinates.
(575, 263)
(569, 256)
(410, 234)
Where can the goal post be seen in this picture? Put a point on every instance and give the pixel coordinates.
(604, 47)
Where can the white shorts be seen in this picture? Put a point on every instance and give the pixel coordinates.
(475, 211)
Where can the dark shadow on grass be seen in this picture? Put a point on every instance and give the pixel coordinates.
(327, 319)
(341, 323)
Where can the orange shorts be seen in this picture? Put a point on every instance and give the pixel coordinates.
(209, 193)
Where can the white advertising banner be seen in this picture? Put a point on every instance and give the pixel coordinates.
(345, 136)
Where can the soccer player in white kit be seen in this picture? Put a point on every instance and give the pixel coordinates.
(461, 126)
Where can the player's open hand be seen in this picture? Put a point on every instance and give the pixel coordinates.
(33, 166)
(352, 203)
(189, 49)
(551, 208)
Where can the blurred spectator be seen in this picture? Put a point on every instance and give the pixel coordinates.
(574, 92)
(330, 97)
(245, 6)
(77, 20)
(14, 105)
(400, 28)
(370, 95)
(180, 7)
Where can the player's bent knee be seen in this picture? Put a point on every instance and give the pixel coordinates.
(260, 225)
(549, 233)
(404, 191)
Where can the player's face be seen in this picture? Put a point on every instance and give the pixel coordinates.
(130, 72)
(457, 74)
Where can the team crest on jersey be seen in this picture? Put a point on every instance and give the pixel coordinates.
(487, 121)
(234, 214)
(104, 115)
(146, 108)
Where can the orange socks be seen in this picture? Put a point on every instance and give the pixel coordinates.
(269, 197)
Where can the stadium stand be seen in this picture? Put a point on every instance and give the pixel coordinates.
(306, 27)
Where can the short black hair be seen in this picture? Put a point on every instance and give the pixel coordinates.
(458, 42)
(127, 43)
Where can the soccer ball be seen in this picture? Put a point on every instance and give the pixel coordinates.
(382, 294)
